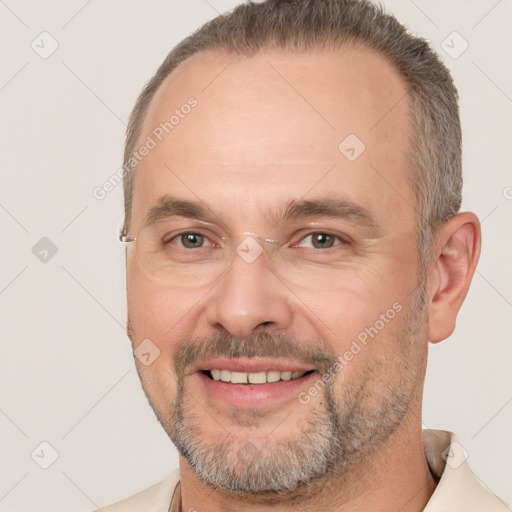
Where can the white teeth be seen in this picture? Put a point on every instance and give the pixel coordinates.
(273, 376)
(238, 378)
(258, 378)
(254, 377)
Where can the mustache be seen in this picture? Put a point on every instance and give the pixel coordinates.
(262, 344)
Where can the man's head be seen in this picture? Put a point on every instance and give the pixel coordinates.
(297, 222)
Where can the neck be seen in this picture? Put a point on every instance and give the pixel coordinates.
(394, 477)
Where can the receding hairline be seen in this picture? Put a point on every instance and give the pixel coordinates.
(231, 56)
(228, 56)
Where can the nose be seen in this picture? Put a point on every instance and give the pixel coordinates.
(249, 298)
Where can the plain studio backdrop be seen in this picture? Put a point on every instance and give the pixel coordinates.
(69, 75)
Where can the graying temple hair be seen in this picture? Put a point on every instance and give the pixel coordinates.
(434, 156)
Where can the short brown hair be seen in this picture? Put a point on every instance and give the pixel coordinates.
(299, 25)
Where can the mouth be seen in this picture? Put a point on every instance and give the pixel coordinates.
(253, 382)
(257, 378)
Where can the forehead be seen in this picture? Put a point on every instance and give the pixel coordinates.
(278, 126)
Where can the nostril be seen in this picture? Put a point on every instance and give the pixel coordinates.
(264, 324)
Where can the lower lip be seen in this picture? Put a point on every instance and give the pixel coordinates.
(254, 395)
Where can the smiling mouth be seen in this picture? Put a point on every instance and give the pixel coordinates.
(262, 377)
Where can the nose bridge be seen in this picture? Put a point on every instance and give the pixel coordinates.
(250, 295)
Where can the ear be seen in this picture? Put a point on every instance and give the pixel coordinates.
(456, 253)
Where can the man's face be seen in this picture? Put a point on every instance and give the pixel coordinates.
(261, 161)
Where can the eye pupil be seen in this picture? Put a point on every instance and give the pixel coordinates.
(321, 240)
(192, 240)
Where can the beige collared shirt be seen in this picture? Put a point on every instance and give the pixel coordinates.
(458, 489)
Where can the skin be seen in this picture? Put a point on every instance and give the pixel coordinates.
(266, 131)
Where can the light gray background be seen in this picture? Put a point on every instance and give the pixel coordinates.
(66, 371)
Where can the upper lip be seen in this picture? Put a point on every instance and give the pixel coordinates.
(251, 365)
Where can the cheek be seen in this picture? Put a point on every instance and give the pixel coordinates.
(158, 312)
(155, 313)
(365, 302)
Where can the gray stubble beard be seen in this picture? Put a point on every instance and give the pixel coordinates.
(335, 440)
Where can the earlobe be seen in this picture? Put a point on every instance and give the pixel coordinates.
(456, 254)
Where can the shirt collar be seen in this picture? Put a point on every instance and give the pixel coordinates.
(458, 487)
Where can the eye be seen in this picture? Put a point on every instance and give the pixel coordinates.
(320, 240)
(191, 240)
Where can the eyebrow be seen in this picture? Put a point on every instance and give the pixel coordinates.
(335, 208)
(169, 207)
(294, 210)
